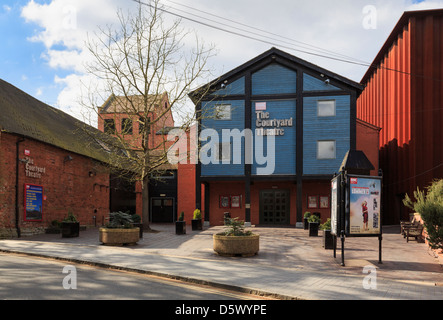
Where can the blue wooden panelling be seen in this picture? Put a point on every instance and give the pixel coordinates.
(325, 128)
(274, 79)
(237, 87)
(311, 83)
(237, 122)
(285, 145)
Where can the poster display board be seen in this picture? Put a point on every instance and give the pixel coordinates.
(335, 209)
(33, 202)
(364, 203)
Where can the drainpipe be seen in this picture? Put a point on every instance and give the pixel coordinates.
(17, 162)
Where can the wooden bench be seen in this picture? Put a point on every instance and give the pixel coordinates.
(414, 231)
(404, 225)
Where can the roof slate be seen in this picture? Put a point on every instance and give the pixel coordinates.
(24, 115)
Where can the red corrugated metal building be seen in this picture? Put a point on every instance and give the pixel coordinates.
(403, 95)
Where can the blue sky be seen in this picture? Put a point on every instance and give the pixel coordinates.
(44, 59)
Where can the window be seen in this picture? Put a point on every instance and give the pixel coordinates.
(109, 126)
(126, 126)
(141, 124)
(326, 149)
(223, 112)
(326, 108)
(224, 152)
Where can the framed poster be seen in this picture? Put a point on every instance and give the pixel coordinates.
(33, 202)
(235, 201)
(225, 202)
(364, 200)
(312, 202)
(324, 202)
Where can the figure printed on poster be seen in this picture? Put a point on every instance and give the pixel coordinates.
(364, 200)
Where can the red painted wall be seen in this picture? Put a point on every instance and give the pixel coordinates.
(81, 184)
(228, 188)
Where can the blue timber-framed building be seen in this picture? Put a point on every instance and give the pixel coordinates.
(311, 114)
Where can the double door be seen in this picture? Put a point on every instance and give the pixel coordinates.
(274, 207)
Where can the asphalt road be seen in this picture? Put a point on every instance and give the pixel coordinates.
(32, 278)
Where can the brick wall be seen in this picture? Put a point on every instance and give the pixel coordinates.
(77, 183)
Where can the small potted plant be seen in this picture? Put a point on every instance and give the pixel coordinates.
(180, 225)
(70, 226)
(314, 223)
(119, 231)
(236, 241)
(328, 239)
(305, 220)
(197, 220)
(54, 227)
(137, 224)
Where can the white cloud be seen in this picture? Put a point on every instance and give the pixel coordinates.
(331, 25)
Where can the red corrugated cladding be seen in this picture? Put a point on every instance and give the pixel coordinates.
(403, 96)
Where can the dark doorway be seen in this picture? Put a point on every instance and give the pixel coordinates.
(162, 210)
(274, 207)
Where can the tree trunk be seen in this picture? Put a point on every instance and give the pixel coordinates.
(145, 203)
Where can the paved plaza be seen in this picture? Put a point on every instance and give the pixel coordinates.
(290, 264)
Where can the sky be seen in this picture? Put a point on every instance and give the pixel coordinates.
(43, 41)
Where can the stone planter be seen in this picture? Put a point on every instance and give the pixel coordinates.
(119, 237)
(245, 246)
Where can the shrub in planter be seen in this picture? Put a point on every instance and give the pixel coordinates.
(119, 230)
(235, 241)
(197, 220)
(180, 225)
(305, 220)
(328, 239)
(137, 224)
(430, 206)
(70, 227)
(314, 223)
(54, 227)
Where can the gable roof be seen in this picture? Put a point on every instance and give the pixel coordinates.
(278, 55)
(24, 115)
(401, 24)
(134, 103)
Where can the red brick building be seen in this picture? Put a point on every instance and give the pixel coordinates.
(125, 118)
(403, 95)
(50, 164)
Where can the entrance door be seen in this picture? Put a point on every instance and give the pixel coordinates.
(274, 207)
(162, 209)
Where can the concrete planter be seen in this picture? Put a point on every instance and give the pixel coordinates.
(119, 237)
(245, 246)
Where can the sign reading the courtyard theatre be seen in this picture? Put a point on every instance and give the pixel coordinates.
(33, 202)
(266, 126)
(33, 171)
(364, 205)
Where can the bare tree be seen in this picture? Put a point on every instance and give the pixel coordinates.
(146, 72)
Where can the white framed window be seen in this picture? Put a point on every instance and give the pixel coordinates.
(326, 108)
(223, 112)
(223, 152)
(326, 149)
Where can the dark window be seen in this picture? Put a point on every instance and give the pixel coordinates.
(109, 126)
(126, 126)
